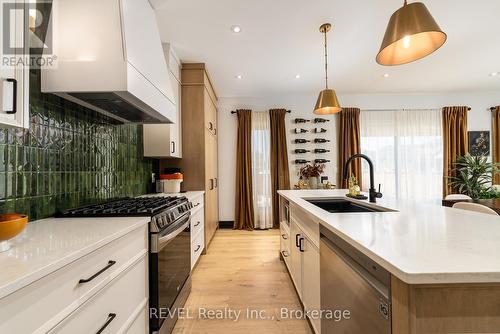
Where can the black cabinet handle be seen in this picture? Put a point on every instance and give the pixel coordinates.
(297, 240)
(197, 248)
(210, 125)
(111, 317)
(14, 96)
(284, 236)
(211, 184)
(198, 223)
(215, 132)
(173, 147)
(300, 245)
(86, 280)
(216, 182)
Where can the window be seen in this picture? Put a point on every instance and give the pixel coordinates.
(407, 152)
(261, 170)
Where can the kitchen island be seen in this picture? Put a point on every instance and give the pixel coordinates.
(443, 263)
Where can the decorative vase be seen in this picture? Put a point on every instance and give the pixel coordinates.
(313, 182)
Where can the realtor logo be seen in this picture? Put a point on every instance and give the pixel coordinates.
(27, 33)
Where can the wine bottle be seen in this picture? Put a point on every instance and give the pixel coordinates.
(321, 150)
(301, 161)
(301, 141)
(301, 120)
(300, 151)
(321, 140)
(321, 120)
(318, 130)
(321, 161)
(297, 130)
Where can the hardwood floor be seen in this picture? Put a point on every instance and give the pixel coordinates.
(242, 272)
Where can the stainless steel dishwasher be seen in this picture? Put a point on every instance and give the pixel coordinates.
(351, 281)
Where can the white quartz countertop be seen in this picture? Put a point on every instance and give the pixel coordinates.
(419, 244)
(49, 244)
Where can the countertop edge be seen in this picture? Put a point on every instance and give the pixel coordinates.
(406, 277)
(26, 280)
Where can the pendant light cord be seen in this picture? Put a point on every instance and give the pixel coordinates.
(326, 62)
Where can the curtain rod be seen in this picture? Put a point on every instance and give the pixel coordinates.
(468, 108)
(234, 112)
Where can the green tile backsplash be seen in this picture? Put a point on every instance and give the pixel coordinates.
(69, 156)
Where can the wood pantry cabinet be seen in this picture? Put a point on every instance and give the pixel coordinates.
(199, 138)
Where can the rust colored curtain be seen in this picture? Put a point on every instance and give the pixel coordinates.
(455, 141)
(244, 214)
(349, 143)
(280, 176)
(496, 140)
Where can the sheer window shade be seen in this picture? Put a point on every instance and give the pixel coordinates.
(261, 170)
(407, 151)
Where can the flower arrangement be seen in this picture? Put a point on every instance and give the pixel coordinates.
(314, 170)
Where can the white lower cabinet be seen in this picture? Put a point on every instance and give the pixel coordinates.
(197, 228)
(107, 310)
(303, 265)
(107, 284)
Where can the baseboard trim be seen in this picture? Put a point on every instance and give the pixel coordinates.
(226, 224)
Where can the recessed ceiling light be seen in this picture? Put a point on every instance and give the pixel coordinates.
(386, 75)
(297, 76)
(239, 76)
(236, 29)
(494, 74)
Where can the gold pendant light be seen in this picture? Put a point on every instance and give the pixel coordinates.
(412, 33)
(327, 100)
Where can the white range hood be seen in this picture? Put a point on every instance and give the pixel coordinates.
(110, 59)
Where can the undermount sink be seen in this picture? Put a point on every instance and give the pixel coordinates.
(340, 205)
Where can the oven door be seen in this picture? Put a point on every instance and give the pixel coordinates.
(170, 267)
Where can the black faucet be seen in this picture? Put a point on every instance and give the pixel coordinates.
(373, 194)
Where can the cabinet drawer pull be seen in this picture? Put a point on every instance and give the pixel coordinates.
(211, 184)
(173, 147)
(86, 280)
(216, 182)
(197, 248)
(300, 245)
(111, 317)
(284, 253)
(14, 96)
(297, 240)
(284, 236)
(198, 223)
(210, 125)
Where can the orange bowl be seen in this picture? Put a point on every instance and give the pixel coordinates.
(11, 224)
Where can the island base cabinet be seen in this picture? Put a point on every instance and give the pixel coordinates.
(303, 265)
(311, 297)
(296, 257)
(445, 308)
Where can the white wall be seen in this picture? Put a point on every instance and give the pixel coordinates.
(302, 105)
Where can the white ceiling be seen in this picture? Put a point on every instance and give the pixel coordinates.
(280, 39)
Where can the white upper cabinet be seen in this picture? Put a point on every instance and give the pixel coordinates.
(14, 80)
(165, 140)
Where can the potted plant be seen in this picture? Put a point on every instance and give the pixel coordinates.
(312, 173)
(473, 176)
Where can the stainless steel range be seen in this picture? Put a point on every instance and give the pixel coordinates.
(170, 254)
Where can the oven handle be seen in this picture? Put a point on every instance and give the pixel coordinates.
(163, 241)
